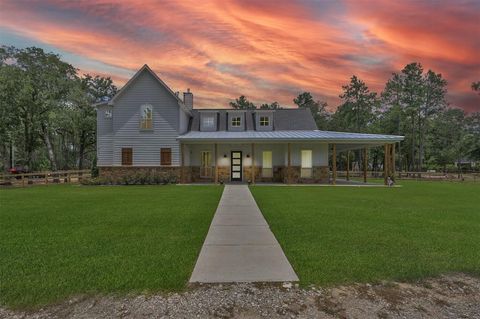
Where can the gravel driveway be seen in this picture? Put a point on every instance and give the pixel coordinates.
(453, 296)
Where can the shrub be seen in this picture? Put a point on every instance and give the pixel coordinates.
(135, 178)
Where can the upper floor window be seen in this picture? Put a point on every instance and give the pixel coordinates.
(146, 117)
(108, 114)
(208, 121)
(236, 121)
(264, 121)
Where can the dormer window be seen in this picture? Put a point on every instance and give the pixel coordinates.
(146, 117)
(264, 121)
(208, 121)
(236, 121)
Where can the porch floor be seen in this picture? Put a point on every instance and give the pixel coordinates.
(340, 182)
(240, 246)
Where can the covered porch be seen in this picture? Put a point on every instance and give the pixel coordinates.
(259, 159)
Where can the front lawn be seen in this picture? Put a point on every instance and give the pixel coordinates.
(62, 240)
(334, 235)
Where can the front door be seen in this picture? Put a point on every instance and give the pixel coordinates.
(236, 166)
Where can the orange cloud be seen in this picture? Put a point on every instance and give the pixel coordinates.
(269, 51)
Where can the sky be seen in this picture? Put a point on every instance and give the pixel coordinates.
(266, 50)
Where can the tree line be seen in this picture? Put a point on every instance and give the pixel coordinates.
(47, 121)
(413, 104)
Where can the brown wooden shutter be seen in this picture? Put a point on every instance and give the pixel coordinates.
(126, 156)
(165, 156)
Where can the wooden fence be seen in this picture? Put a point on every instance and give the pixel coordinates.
(45, 178)
(464, 176)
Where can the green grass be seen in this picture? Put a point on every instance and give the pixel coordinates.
(58, 241)
(335, 235)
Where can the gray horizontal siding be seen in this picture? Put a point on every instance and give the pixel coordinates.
(145, 154)
(166, 123)
(105, 150)
(104, 137)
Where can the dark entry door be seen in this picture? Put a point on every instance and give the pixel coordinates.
(236, 166)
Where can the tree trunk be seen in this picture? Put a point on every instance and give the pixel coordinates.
(81, 151)
(412, 147)
(421, 128)
(49, 146)
(26, 145)
(7, 155)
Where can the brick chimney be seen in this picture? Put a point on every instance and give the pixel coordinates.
(188, 99)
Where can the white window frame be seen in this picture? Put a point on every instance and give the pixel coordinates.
(267, 167)
(264, 120)
(146, 122)
(208, 121)
(236, 121)
(108, 114)
(306, 168)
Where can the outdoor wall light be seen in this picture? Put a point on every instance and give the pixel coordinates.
(224, 155)
(248, 155)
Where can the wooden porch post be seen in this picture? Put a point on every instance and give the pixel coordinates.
(253, 163)
(348, 165)
(289, 163)
(365, 164)
(334, 164)
(392, 168)
(216, 160)
(385, 164)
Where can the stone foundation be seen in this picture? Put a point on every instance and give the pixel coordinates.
(319, 175)
(191, 174)
(117, 174)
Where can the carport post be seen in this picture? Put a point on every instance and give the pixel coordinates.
(348, 165)
(393, 160)
(385, 163)
(365, 165)
(334, 164)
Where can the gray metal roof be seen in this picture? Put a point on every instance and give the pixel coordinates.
(283, 119)
(289, 135)
(293, 119)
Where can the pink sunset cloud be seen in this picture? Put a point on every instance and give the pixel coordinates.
(269, 51)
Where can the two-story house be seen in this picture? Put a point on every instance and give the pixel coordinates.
(147, 127)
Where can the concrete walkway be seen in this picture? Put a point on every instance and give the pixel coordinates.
(240, 246)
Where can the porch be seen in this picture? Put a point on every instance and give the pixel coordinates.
(296, 162)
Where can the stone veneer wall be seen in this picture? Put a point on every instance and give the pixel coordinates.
(117, 173)
(191, 174)
(319, 175)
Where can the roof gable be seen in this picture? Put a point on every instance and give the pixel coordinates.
(130, 82)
